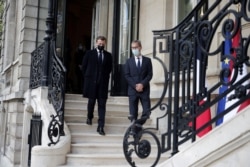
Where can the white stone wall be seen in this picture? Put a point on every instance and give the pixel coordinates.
(19, 40)
(154, 15)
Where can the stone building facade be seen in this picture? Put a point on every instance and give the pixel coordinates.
(77, 22)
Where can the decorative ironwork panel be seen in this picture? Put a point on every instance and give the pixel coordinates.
(36, 71)
(56, 95)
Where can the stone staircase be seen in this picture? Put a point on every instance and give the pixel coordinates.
(88, 148)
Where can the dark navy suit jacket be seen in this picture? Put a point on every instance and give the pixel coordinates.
(134, 76)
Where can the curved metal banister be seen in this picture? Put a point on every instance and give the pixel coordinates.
(60, 63)
(56, 96)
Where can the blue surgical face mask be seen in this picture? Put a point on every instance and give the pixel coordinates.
(136, 52)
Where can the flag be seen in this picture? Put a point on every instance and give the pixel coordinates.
(235, 45)
(225, 103)
(202, 119)
(206, 115)
(224, 65)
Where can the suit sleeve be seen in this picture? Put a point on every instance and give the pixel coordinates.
(127, 75)
(149, 75)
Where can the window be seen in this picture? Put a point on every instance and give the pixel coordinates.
(125, 30)
(184, 7)
(95, 23)
(128, 28)
(60, 20)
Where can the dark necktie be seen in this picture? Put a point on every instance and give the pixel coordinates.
(138, 64)
(100, 58)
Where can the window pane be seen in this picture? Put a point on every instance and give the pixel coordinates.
(95, 23)
(60, 31)
(185, 6)
(125, 24)
(128, 27)
(135, 12)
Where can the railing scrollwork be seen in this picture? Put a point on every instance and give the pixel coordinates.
(56, 97)
(142, 143)
(36, 66)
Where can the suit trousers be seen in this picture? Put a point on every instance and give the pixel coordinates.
(134, 102)
(101, 107)
(101, 110)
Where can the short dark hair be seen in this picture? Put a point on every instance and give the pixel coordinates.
(100, 38)
(137, 41)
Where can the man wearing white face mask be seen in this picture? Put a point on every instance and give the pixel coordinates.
(138, 73)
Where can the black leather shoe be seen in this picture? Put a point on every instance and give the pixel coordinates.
(100, 130)
(89, 121)
(135, 129)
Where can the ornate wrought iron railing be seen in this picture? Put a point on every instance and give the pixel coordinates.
(185, 89)
(48, 70)
(56, 96)
(36, 70)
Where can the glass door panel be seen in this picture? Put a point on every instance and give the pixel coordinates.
(60, 22)
(125, 30)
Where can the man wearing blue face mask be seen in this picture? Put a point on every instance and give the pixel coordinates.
(138, 73)
(96, 69)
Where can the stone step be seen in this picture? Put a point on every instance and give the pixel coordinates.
(101, 159)
(113, 112)
(96, 138)
(96, 159)
(113, 99)
(145, 165)
(82, 106)
(109, 128)
(93, 148)
(101, 166)
(109, 119)
(101, 148)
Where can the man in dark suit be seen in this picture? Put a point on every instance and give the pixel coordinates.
(96, 69)
(138, 73)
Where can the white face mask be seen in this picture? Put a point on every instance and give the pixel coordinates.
(136, 52)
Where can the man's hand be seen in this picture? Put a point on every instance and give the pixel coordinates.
(139, 87)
